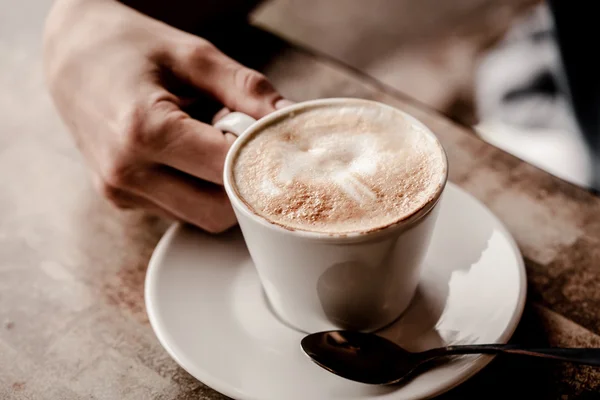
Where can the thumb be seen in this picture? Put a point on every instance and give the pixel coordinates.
(237, 87)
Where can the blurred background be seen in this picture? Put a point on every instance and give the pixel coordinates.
(489, 64)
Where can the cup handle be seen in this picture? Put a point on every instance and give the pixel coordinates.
(235, 122)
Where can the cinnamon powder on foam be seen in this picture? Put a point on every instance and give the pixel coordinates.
(407, 173)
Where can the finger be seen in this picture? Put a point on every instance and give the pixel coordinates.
(187, 198)
(126, 200)
(186, 144)
(235, 86)
(283, 103)
(220, 114)
(230, 137)
(130, 201)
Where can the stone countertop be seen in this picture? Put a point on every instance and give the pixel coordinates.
(72, 268)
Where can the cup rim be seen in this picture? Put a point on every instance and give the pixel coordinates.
(400, 225)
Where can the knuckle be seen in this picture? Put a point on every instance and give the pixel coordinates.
(168, 128)
(118, 173)
(215, 227)
(221, 218)
(122, 203)
(199, 51)
(253, 82)
(112, 193)
(146, 128)
(133, 130)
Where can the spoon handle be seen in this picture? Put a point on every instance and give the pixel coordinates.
(589, 356)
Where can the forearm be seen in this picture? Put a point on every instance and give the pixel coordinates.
(187, 15)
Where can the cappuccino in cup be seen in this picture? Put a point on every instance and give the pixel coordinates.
(337, 201)
(339, 169)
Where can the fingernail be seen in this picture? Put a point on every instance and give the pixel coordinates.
(282, 103)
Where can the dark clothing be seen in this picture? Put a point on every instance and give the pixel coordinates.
(576, 29)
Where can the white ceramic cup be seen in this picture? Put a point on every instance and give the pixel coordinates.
(316, 281)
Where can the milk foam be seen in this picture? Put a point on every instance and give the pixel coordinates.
(331, 159)
(339, 169)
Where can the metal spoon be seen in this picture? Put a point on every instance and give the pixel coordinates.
(371, 359)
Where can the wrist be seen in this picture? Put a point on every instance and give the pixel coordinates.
(62, 13)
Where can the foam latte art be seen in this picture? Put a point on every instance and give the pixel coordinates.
(339, 169)
(335, 159)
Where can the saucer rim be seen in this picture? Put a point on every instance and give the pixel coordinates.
(473, 367)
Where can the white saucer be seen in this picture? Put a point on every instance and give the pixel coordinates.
(207, 309)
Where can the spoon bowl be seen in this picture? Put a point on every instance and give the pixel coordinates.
(360, 357)
(372, 359)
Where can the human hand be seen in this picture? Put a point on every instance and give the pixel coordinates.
(120, 81)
